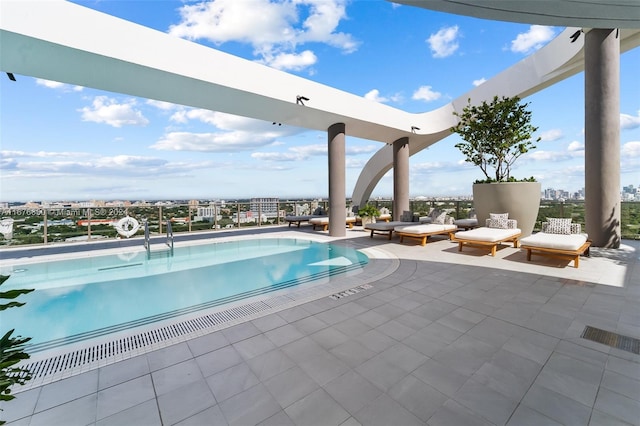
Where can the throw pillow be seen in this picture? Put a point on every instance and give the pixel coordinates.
(498, 220)
(559, 225)
(438, 217)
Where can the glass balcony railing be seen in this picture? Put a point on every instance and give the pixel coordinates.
(45, 225)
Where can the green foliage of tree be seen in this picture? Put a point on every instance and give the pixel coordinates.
(11, 349)
(369, 211)
(495, 135)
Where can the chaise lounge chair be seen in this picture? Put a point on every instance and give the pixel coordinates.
(319, 212)
(436, 223)
(323, 222)
(496, 232)
(385, 228)
(559, 238)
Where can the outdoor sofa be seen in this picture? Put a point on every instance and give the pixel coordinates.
(559, 238)
(499, 229)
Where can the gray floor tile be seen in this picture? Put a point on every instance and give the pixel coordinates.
(569, 386)
(240, 332)
(618, 406)
(124, 396)
(183, 402)
(232, 381)
(329, 337)
(381, 373)
(122, 371)
(302, 349)
(269, 364)
(584, 371)
(424, 345)
(503, 381)
(352, 353)
(525, 416)
(418, 397)
(168, 356)
(352, 327)
(520, 366)
(442, 378)
(282, 335)
(145, 414)
(351, 421)
(317, 408)
(218, 360)
(323, 367)
(309, 325)
(403, 356)
(376, 341)
(254, 346)
(623, 385)
(279, 419)
(290, 386)
(439, 332)
(20, 407)
(384, 411)
(624, 367)
(66, 390)
(453, 414)
(81, 411)
(558, 407)
(210, 416)
(176, 376)
(598, 418)
(352, 391)
(396, 330)
(482, 400)
(207, 343)
(250, 407)
(269, 322)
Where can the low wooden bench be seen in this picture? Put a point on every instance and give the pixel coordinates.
(559, 253)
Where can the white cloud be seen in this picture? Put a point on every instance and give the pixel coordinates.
(304, 152)
(534, 39)
(547, 156)
(290, 61)
(212, 142)
(551, 135)
(576, 146)
(109, 111)
(425, 93)
(444, 43)
(42, 154)
(273, 28)
(629, 121)
(478, 82)
(164, 106)
(631, 149)
(374, 95)
(58, 86)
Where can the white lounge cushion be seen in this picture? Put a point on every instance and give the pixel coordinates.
(555, 241)
(325, 220)
(385, 226)
(487, 234)
(424, 229)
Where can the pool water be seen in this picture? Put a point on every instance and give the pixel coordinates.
(88, 297)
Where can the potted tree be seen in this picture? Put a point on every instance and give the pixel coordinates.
(495, 134)
(368, 213)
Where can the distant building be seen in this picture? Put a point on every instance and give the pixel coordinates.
(265, 206)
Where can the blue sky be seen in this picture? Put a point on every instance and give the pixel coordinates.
(60, 142)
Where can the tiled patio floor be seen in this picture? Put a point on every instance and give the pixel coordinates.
(448, 339)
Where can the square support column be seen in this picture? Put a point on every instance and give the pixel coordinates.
(400, 177)
(337, 191)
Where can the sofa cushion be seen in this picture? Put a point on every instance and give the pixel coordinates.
(487, 234)
(498, 220)
(424, 229)
(555, 241)
(558, 226)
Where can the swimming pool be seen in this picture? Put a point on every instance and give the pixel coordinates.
(82, 298)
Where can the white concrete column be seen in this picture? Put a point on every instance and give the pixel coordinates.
(337, 191)
(400, 177)
(602, 136)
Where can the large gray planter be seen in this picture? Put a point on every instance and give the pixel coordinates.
(520, 199)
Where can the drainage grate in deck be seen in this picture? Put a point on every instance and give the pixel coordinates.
(614, 340)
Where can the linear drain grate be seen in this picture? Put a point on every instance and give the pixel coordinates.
(138, 341)
(614, 340)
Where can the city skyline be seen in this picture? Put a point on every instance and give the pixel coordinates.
(64, 142)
